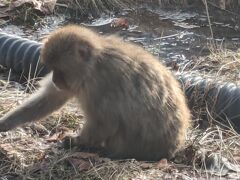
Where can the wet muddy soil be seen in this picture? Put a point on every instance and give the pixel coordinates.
(173, 35)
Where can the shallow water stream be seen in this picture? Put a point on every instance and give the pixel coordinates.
(173, 35)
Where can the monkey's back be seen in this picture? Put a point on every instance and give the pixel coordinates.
(131, 90)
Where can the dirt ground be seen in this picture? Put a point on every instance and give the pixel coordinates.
(34, 151)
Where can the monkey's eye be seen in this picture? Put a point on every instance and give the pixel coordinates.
(51, 66)
(84, 52)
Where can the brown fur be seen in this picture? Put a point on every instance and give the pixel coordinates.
(133, 105)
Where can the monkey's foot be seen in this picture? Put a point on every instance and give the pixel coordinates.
(70, 142)
(75, 142)
(5, 125)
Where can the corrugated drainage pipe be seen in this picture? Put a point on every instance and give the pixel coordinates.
(215, 101)
(21, 56)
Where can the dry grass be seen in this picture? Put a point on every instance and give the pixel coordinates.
(96, 7)
(34, 152)
(103, 5)
(211, 73)
(92, 7)
(222, 64)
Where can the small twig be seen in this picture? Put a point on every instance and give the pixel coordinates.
(173, 35)
(209, 21)
(230, 12)
(61, 5)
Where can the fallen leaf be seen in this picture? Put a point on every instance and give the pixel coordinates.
(39, 166)
(237, 158)
(86, 155)
(39, 128)
(219, 165)
(4, 3)
(64, 129)
(55, 137)
(163, 163)
(80, 164)
(48, 6)
(146, 165)
(3, 13)
(8, 150)
(44, 6)
(83, 161)
(120, 22)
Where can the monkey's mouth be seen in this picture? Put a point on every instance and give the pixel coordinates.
(57, 87)
(60, 84)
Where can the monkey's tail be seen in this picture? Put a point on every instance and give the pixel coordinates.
(21, 56)
(212, 101)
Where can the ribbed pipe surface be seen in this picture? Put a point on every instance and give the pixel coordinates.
(220, 100)
(21, 56)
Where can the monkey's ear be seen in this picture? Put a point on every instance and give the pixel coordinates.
(44, 39)
(85, 51)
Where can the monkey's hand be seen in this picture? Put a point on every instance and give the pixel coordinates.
(38, 106)
(6, 124)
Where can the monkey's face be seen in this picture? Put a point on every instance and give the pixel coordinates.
(59, 80)
(71, 54)
(70, 61)
(64, 74)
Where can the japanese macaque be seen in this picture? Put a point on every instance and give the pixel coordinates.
(133, 105)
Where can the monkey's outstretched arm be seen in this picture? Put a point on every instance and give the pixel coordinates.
(44, 102)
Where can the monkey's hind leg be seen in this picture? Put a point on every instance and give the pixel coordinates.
(81, 143)
(92, 138)
(86, 138)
